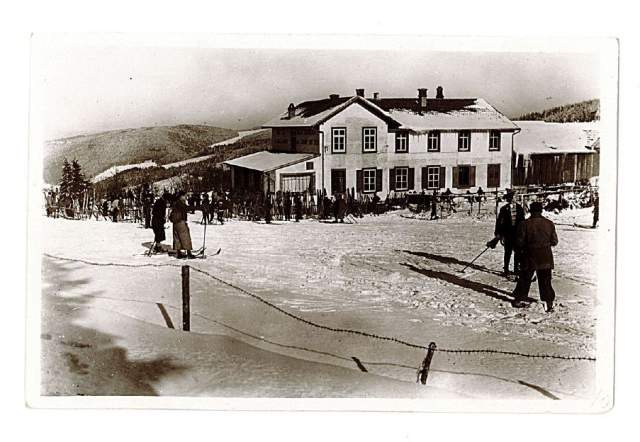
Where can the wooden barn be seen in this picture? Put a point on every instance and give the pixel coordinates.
(555, 153)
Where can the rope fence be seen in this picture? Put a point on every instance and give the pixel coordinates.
(328, 328)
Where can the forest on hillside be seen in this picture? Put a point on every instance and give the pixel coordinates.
(584, 111)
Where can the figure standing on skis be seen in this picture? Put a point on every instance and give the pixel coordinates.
(181, 234)
(507, 222)
(158, 219)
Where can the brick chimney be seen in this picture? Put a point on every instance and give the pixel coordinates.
(439, 93)
(360, 92)
(422, 98)
(291, 111)
(334, 97)
(376, 95)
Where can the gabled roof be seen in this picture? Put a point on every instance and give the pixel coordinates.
(314, 113)
(266, 161)
(540, 137)
(404, 113)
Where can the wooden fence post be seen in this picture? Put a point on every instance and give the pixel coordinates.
(186, 320)
(424, 371)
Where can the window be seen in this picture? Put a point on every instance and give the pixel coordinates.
(338, 180)
(299, 182)
(493, 175)
(433, 141)
(309, 165)
(433, 177)
(494, 140)
(369, 139)
(402, 142)
(338, 140)
(464, 141)
(402, 178)
(369, 180)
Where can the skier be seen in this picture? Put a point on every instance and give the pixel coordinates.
(181, 234)
(535, 237)
(507, 222)
(158, 219)
(374, 204)
(267, 209)
(221, 211)
(434, 205)
(115, 211)
(147, 200)
(596, 211)
(339, 208)
(205, 208)
(287, 206)
(298, 207)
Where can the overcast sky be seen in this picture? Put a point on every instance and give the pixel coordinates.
(101, 88)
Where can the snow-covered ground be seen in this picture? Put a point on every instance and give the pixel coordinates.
(389, 275)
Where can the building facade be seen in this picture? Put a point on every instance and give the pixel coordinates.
(387, 145)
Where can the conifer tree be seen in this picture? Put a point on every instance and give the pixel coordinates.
(66, 182)
(78, 183)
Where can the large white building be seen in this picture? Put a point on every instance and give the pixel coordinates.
(383, 145)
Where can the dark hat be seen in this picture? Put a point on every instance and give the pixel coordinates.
(535, 207)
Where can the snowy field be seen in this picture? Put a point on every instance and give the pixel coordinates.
(114, 330)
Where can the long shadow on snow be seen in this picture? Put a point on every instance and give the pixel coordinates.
(479, 287)
(88, 360)
(452, 260)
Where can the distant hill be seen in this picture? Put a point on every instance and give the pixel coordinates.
(204, 170)
(162, 144)
(584, 111)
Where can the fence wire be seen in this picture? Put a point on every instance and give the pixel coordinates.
(325, 327)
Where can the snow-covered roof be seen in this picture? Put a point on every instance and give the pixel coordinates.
(313, 113)
(267, 161)
(440, 113)
(540, 137)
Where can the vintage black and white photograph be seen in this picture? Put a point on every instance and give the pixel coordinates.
(415, 224)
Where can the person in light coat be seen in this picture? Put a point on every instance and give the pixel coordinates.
(181, 233)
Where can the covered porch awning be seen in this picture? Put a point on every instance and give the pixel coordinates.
(267, 161)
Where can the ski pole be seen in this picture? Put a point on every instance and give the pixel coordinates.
(474, 259)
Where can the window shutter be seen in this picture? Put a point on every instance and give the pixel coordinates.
(425, 182)
(443, 171)
(359, 181)
(472, 176)
(378, 180)
(455, 177)
(411, 179)
(392, 179)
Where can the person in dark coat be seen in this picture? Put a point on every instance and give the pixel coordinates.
(434, 205)
(147, 201)
(205, 207)
(181, 233)
(507, 222)
(287, 206)
(596, 212)
(339, 208)
(535, 237)
(158, 219)
(267, 209)
(298, 206)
